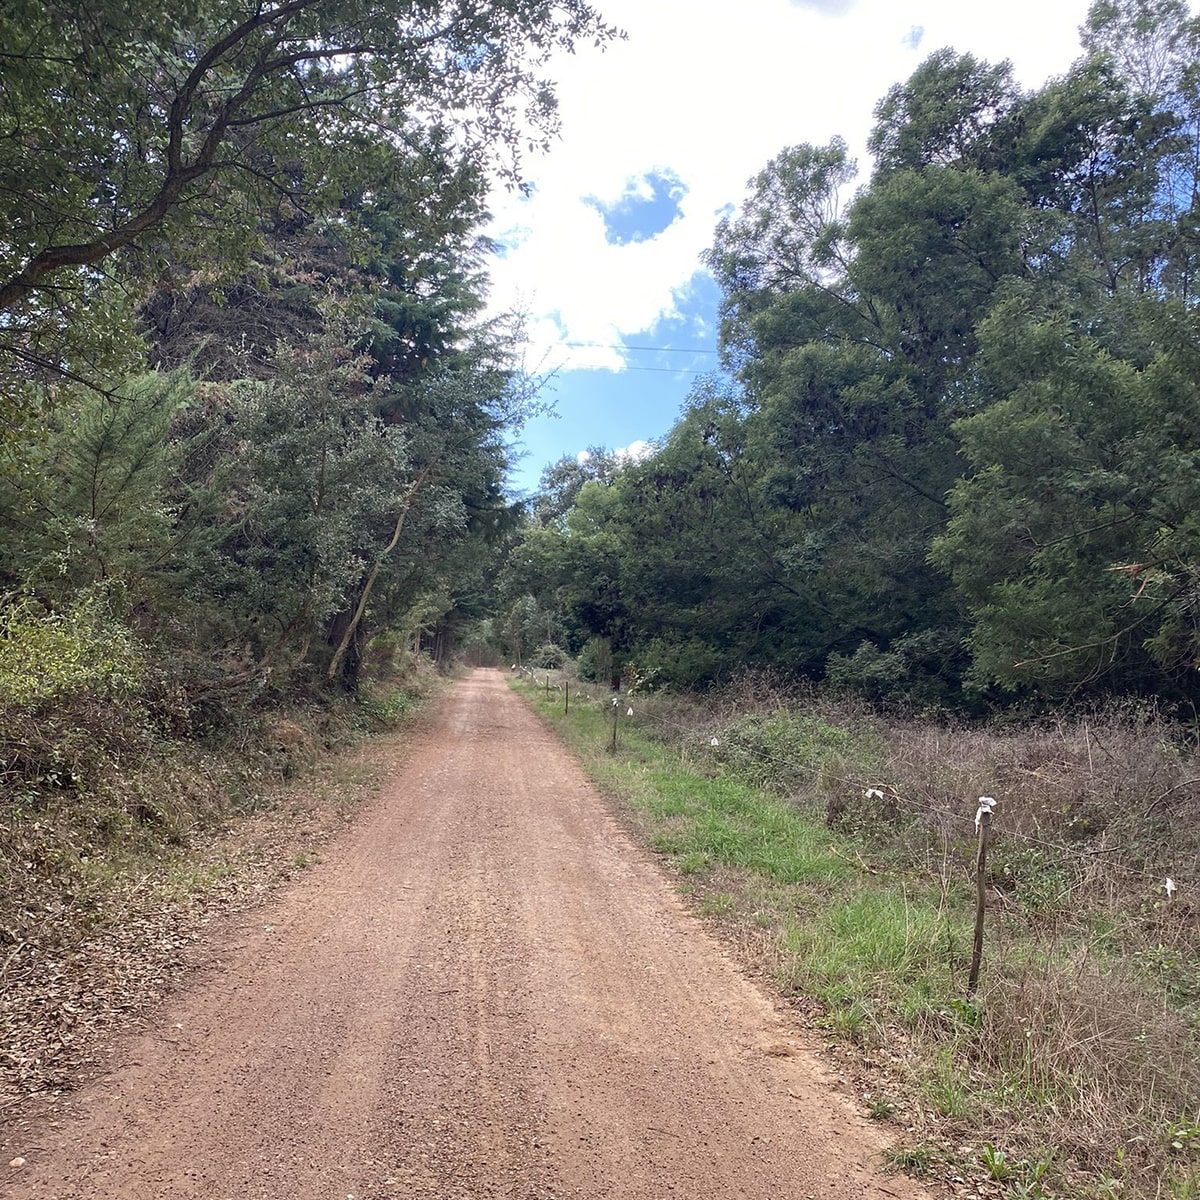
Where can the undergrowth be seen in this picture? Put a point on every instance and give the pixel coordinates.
(107, 829)
(836, 847)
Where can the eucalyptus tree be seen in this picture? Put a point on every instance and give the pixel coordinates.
(1074, 536)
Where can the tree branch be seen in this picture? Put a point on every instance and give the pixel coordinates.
(405, 507)
(178, 174)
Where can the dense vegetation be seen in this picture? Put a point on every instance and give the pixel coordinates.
(953, 456)
(252, 443)
(250, 415)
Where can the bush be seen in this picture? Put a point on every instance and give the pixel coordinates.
(69, 743)
(918, 668)
(549, 657)
(686, 664)
(595, 662)
(69, 695)
(47, 655)
(791, 752)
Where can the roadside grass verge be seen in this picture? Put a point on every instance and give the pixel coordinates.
(1074, 1072)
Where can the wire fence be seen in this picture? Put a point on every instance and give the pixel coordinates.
(701, 746)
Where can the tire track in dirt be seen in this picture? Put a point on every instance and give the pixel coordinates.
(485, 990)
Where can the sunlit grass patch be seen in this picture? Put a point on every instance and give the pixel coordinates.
(883, 940)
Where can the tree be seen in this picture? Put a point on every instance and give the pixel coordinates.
(1074, 536)
(316, 468)
(788, 240)
(1013, 292)
(108, 501)
(953, 111)
(1151, 43)
(562, 481)
(453, 420)
(932, 246)
(127, 124)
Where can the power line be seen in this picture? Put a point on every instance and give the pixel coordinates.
(665, 370)
(625, 346)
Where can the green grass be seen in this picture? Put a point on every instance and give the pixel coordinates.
(915, 1160)
(876, 941)
(695, 819)
(846, 937)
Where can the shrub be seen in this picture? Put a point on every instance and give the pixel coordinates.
(685, 664)
(69, 695)
(791, 752)
(918, 668)
(47, 655)
(595, 662)
(549, 657)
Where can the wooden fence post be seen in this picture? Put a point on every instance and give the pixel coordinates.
(566, 696)
(612, 745)
(983, 823)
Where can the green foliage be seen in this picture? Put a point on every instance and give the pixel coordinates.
(46, 656)
(875, 943)
(1074, 538)
(72, 684)
(957, 463)
(595, 661)
(548, 656)
(318, 474)
(790, 752)
(391, 708)
(922, 668)
(914, 1160)
(104, 499)
(164, 133)
(954, 109)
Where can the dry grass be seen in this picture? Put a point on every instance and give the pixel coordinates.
(114, 857)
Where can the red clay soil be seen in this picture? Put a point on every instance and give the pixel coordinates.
(485, 990)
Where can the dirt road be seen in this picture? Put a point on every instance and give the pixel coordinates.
(485, 990)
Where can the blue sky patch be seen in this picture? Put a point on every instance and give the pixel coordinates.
(650, 205)
(640, 403)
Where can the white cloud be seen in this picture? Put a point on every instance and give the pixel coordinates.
(832, 8)
(636, 452)
(709, 94)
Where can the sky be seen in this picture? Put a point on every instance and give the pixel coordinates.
(660, 134)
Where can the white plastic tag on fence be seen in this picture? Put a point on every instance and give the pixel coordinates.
(986, 805)
(629, 712)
